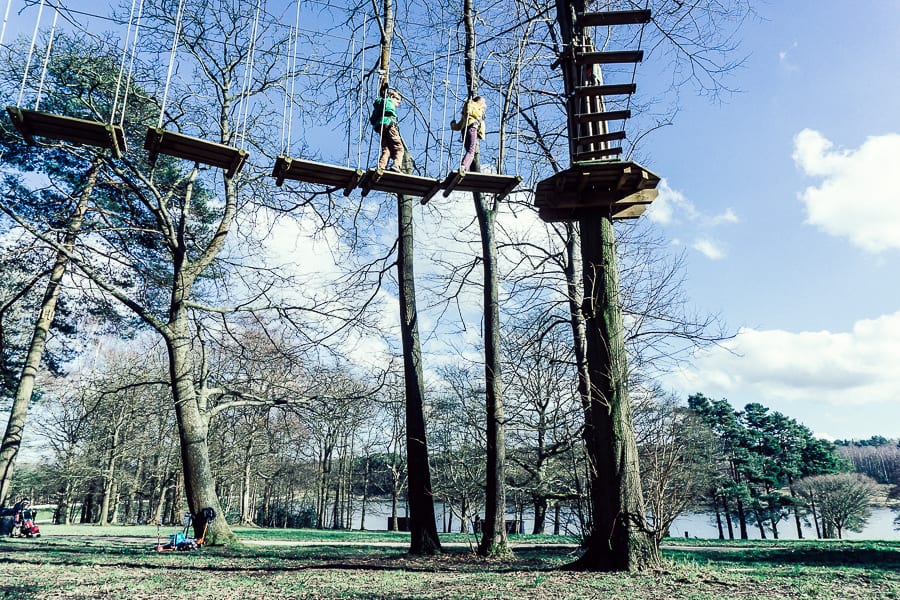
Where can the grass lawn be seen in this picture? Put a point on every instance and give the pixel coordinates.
(118, 562)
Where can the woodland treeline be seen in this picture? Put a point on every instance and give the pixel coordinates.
(114, 455)
(180, 335)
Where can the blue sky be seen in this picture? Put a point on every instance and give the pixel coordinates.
(783, 198)
(785, 201)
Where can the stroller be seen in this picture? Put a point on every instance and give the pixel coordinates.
(19, 521)
(27, 526)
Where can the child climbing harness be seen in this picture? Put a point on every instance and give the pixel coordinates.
(471, 123)
(384, 120)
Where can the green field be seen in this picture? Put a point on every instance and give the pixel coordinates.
(119, 562)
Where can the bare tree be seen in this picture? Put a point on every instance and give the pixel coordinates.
(843, 500)
(678, 457)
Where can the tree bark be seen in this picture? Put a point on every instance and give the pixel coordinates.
(193, 429)
(15, 426)
(493, 538)
(422, 525)
(109, 476)
(619, 538)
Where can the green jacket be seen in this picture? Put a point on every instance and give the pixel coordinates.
(384, 112)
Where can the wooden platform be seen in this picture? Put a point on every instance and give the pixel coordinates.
(315, 172)
(32, 123)
(395, 182)
(621, 189)
(159, 141)
(613, 17)
(487, 183)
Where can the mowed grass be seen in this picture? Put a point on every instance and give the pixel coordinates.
(118, 562)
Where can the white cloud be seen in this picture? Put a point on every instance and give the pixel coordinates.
(855, 199)
(672, 209)
(727, 217)
(709, 249)
(784, 57)
(670, 206)
(819, 367)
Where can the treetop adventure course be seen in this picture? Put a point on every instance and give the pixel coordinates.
(594, 190)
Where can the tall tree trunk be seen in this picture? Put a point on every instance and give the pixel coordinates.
(193, 430)
(718, 517)
(109, 477)
(365, 494)
(246, 513)
(619, 536)
(815, 519)
(575, 292)
(540, 514)
(728, 521)
(15, 426)
(796, 507)
(493, 538)
(742, 519)
(556, 517)
(422, 524)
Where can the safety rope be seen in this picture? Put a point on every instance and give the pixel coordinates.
(137, 29)
(136, 23)
(634, 73)
(37, 100)
(430, 109)
(293, 70)
(446, 83)
(37, 24)
(244, 104)
(5, 21)
(362, 76)
(178, 17)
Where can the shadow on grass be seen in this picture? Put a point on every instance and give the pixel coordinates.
(285, 559)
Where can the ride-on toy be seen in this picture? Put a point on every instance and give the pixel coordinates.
(180, 541)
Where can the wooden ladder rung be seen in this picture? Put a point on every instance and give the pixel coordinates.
(614, 17)
(83, 132)
(609, 58)
(606, 90)
(600, 138)
(601, 154)
(159, 141)
(613, 115)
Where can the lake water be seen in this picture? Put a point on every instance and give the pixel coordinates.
(880, 525)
